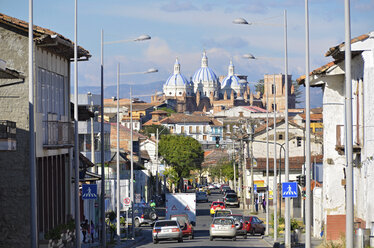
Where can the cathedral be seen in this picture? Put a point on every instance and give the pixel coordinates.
(205, 91)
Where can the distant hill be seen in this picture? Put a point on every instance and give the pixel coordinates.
(141, 91)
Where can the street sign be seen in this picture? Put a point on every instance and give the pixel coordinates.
(255, 188)
(127, 201)
(289, 189)
(137, 198)
(89, 191)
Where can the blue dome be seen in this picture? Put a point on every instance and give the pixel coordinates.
(177, 80)
(204, 74)
(230, 82)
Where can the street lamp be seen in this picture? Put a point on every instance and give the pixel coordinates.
(250, 56)
(118, 195)
(287, 219)
(140, 38)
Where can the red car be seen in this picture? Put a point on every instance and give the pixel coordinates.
(186, 226)
(216, 205)
(240, 224)
(254, 225)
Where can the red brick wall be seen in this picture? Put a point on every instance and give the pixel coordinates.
(335, 226)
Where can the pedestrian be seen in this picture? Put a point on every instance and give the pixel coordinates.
(264, 205)
(92, 231)
(256, 204)
(84, 227)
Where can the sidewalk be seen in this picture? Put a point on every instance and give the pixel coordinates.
(315, 242)
(124, 243)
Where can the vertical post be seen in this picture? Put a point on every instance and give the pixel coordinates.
(157, 161)
(286, 165)
(252, 162)
(233, 149)
(308, 223)
(33, 210)
(348, 127)
(118, 169)
(102, 137)
(92, 136)
(275, 185)
(267, 160)
(76, 143)
(132, 169)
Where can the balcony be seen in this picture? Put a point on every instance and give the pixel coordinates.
(340, 139)
(8, 141)
(58, 134)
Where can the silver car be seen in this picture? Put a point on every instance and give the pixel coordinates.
(167, 230)
(223, 227)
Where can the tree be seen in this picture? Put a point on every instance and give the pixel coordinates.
(224, 168)
(171, 176)
(169, 110)
(182, 153)
(152, 129)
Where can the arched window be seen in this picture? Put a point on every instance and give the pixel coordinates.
(180, 93)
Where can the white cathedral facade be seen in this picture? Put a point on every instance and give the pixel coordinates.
(204, 83)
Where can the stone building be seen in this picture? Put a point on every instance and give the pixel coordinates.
(53, 132)
(207, 92)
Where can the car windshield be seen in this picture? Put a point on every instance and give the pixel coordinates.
(231, 196)
(222, 213)
(166, 223)
(217, 203)
(226, 188)
(223, 221)
(237, 217)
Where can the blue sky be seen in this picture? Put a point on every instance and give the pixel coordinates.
(184, 28)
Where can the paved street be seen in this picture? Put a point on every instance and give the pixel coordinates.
(203, 221)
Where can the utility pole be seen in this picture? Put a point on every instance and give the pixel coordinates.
(250, 154)
(157, 161)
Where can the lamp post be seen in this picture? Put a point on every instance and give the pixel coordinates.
(250, 56)
(140, 38)
(33, 209)
(287, 218)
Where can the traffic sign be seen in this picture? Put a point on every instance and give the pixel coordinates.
(127, 201)
(289, 189)
(137, 198)
(255, 188)
(89, 191)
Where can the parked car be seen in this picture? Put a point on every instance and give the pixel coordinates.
(254, 225)
(224, 188)
(185, 224)
(229, 191)
(231, 200)
(201, 197)
(167, 230)
(211, 186)
(222, 213)
(216, 205)
(240, 224)
(223, 227)
(142, 215)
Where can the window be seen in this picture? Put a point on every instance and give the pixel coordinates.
(273, 89)
(204, 137)
(197, 129)
(182, 129)
(280, 136)
(180, 93)
(190, 129)
(204, 129)
(298, 141)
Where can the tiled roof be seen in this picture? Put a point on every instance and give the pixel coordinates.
(295, 163)
(44, 35)
(336, 53)
(336, 49)
(255, 109)
(180, 118)
(159, 112)
(313, 117)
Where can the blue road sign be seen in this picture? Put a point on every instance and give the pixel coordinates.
(255, 188)
(89, 191)
(289, 189)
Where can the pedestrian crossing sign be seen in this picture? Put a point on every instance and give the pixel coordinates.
(289, 190)
(89, 191)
